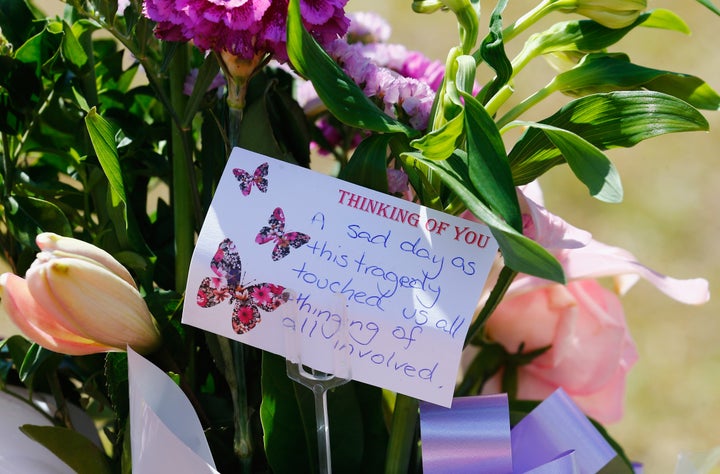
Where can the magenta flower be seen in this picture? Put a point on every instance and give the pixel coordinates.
(246, 29)
(262, 295)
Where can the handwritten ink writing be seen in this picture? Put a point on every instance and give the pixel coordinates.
(354, 232)
(402, 334)
(359, 340)
(345, 289)
(467, 267)
(322, 251)
(401, 281)
(319, 217)
(422, 317)
(416, 249)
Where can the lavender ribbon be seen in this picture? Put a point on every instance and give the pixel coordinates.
(474, 436)
(471, 437)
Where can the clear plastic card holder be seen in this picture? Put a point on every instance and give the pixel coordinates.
(305, 345)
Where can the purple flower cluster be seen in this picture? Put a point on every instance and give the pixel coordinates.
(374, 67)
(402, 82)
(244, 28)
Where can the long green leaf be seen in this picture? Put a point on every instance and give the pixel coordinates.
(589, 164)
(492, 51)
(71, 447)
(489, 170)
(520, 253)
(590, 36)
(368, 166)
(337, 91)
(280, 416)
(28, 216)
(603, 72)
(102, 136)
(709, 5)
(615, 119)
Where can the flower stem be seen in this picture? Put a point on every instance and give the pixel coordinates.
(181, 182)
(402, 434)
(232, 363)
(526, 104)
(504, 280)
(529, 19)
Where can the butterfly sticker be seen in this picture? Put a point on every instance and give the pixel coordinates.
(258, 178)
(275, 232)
(227, 285)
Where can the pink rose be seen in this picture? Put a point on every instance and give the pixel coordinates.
(591, 349)
(583, 322)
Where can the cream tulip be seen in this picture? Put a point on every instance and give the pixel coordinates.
(77, 299)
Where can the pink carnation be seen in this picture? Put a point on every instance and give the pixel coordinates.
(245, 28)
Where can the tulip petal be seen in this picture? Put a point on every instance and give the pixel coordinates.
(39, 325)
(102, 305)
(69, 247)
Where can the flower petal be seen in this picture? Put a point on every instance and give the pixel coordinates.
(39, 325)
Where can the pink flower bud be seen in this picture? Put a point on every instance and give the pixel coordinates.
(77, 299)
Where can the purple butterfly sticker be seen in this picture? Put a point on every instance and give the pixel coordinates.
(227, 285)
(275, 232)
(258, 178)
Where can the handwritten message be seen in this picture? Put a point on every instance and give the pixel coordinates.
(288, 256)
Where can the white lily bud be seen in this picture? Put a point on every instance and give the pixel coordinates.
(609, 13)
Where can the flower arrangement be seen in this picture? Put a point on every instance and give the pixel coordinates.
(114, 144)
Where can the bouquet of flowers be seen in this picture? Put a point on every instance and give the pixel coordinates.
(118, 119)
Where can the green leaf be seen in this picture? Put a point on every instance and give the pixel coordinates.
(615, 119)
(589, 36)
(206, 73)
(520, 253)
(337, 91)
(116, 374)
(30, 216)
(281, 420)
(37, 360)
(43, 48)
(102, 136)
(18, 348)
(20, 91)
(274, 124)
(71, 447)
(441, 143)
(492, 51)
(368, 165)
(603, 72)
(589, 164)
(710, 6)
(72, 49)
(17, 21)
(489, 171)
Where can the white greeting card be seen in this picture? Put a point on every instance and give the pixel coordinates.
(383, 284)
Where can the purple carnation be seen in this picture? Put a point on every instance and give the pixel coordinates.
(244, 28)
(368, 65)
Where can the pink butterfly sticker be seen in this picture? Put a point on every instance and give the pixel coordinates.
(275, 232)
(258, 178)
(247, 301)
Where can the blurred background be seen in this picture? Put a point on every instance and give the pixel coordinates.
(669, 220)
